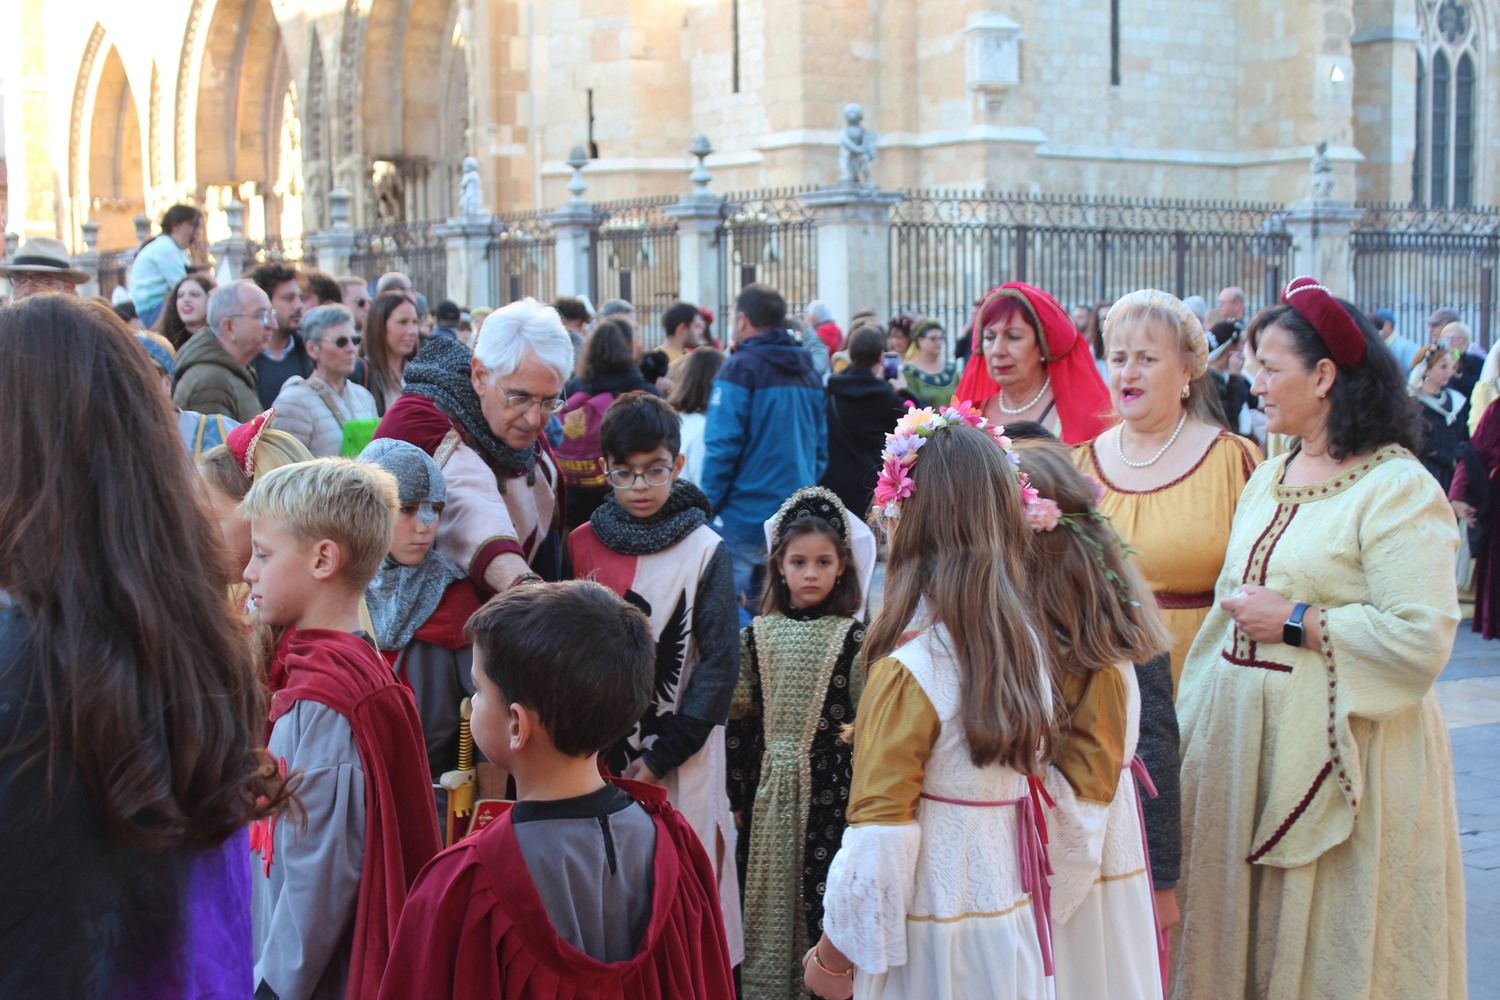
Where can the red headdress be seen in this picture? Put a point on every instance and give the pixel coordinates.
(1331, 321)
(1082, 401)
(243, 439)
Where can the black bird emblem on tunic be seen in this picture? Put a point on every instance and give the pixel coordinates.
(671, 656)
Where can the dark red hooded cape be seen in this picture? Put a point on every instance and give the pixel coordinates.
(474, 926)
(1084, 409)
(345, 673)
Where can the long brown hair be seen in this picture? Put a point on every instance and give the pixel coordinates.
(169, 324)
(1094, 607)
(960, 546)
(696, 385)
(116, 567)
(375, 349)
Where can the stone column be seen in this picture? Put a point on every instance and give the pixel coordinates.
(233, 253)
(465, 238)
(89, 260)
(573, 224)
(854, 248)
(700, 258)
(334, 245)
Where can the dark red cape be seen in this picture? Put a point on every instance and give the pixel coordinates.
(474, 926)
(342, 671)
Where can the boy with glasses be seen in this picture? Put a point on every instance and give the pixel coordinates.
(650, 543)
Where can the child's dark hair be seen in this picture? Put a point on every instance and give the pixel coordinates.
(575, 653)
(638, 423)
(776, 598)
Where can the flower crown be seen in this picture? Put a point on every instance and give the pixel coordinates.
(894, 483)
(1044, 515)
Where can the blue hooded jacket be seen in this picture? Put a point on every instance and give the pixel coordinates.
(767, 432)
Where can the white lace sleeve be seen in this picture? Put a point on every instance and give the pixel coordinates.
(870, 886)
(1075, 844)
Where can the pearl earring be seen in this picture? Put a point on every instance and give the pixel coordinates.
(1187, 390)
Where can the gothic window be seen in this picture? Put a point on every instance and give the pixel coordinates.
(1447, 71)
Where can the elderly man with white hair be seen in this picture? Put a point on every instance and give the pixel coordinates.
(481, 416)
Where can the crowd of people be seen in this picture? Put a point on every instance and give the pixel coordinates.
(349, 648)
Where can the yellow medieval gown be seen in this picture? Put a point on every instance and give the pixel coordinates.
(1179, 531)
(1319, 824)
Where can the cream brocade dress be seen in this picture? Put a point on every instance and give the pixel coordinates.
(1179, 531)
(927, 894)
(1320, 837)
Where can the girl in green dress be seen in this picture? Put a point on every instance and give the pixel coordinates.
(789, 765)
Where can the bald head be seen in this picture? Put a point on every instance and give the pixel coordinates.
(1232, 303)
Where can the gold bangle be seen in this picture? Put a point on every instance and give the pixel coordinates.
(818, 960)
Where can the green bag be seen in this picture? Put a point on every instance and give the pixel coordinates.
(357, 434)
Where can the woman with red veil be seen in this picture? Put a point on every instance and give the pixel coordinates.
(1029, 363)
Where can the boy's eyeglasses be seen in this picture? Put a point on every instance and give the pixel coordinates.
(624, 479)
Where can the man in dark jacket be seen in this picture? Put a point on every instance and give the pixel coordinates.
(767, 431)
(862, 409)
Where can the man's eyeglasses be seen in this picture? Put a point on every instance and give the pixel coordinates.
(525, 401)
(37, 282)
(624, 479)
(341, 342)
(266, 316)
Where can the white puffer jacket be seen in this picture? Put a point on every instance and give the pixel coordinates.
(311, 412)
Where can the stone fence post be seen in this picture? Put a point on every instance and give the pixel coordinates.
(1321, 227)
(700, 258)
(573, 224)
(465, 238)
(89, 260)
(854, 247)
(335, 245)
(232, 254)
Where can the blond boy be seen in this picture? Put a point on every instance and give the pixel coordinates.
(327, 891)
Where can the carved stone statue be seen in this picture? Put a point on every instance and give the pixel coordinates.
(1322, 173)
(468, 189)
(856, 148)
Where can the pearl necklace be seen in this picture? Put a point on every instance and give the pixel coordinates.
(1000, 401)
(1120, 448)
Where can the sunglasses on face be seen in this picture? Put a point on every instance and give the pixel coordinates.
(343, 341)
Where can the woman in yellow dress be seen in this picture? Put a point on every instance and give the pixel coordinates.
(1320, 828)
(1171, 473)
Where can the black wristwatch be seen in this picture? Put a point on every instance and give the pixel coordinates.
(1292, 632)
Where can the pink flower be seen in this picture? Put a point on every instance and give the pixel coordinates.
(1042, 514)
(893, 484)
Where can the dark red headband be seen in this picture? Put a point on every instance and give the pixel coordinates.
(1332, 322)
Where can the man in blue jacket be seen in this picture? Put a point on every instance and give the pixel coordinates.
(767, 433)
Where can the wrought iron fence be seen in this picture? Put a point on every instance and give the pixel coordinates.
(769, 236)
(114, 270)
(415, 249)
(1413, 260)
(633, 256)
(521, 256)
(948, 249)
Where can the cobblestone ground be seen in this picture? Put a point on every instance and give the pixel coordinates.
(1469, 690)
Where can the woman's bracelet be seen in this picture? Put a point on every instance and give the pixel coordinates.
(818, 961)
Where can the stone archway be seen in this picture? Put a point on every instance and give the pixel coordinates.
(106, 168)
(244, 81)
(412, 76)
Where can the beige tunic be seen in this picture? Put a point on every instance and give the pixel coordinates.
(1320, 836)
